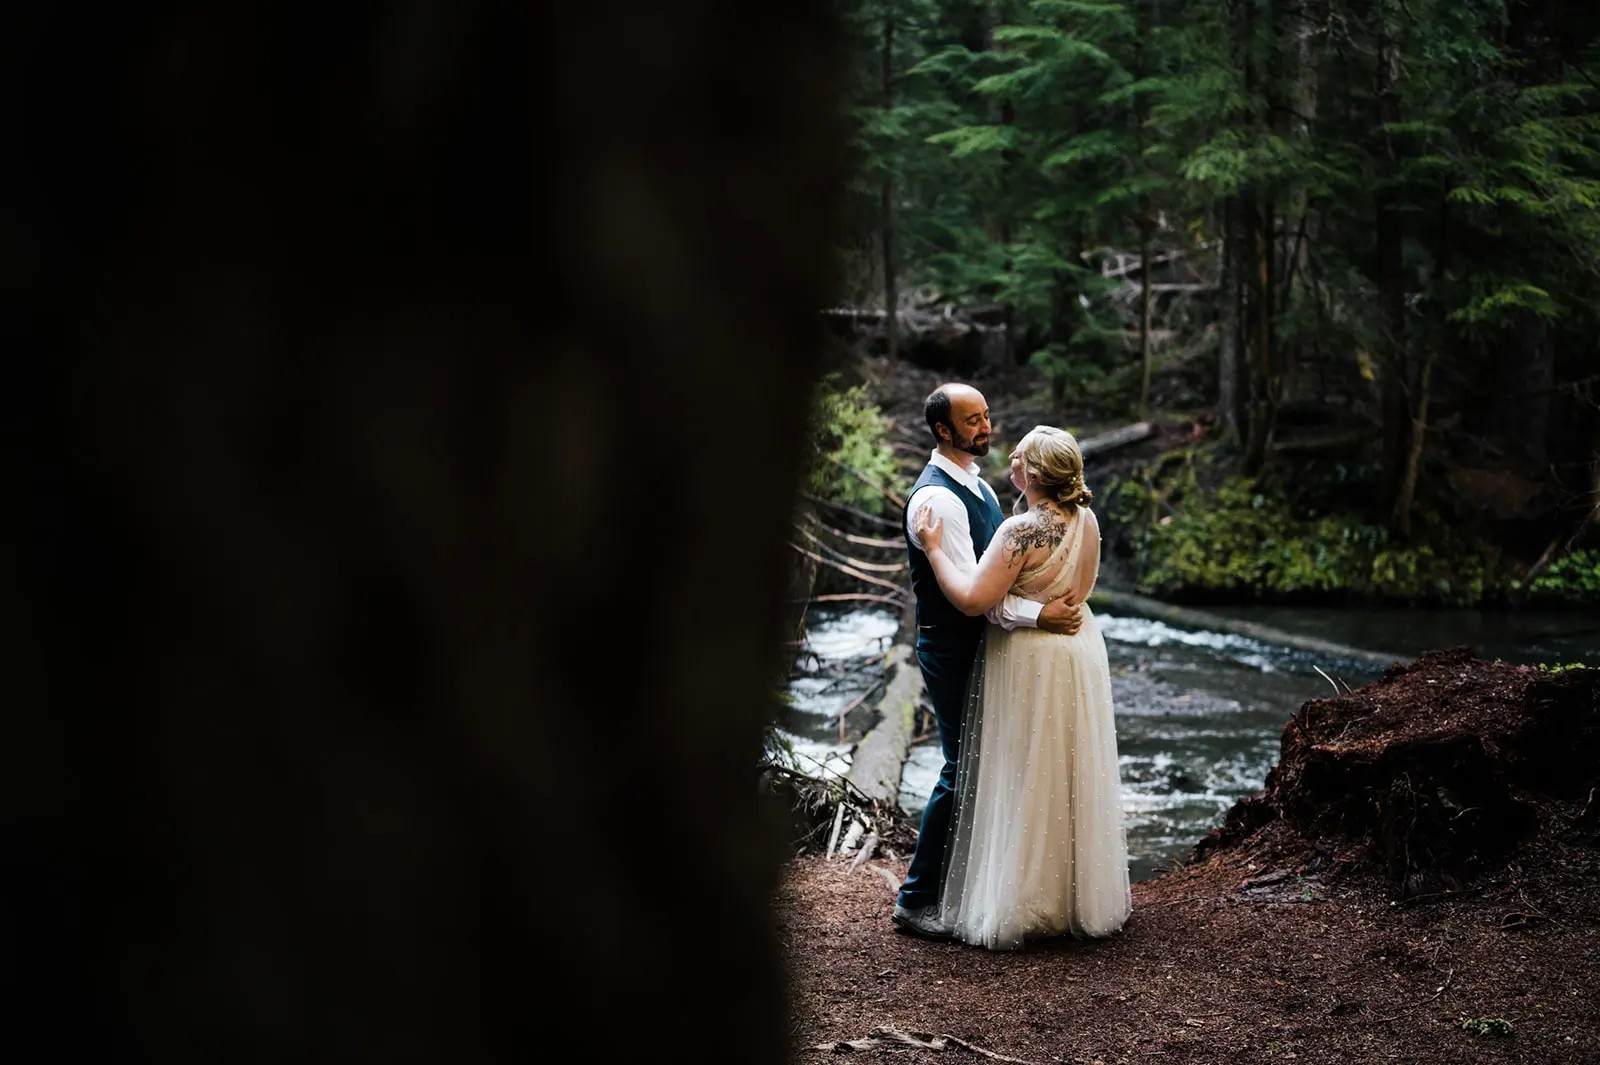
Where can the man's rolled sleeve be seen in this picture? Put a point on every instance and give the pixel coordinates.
(1015, 612)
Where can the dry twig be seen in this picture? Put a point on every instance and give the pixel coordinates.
(889, 1038)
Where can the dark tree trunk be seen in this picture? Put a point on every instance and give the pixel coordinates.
(351, 345)
(1527, 382)
(1419, 435)
(1389, 270)
(891, 293)
(1232, 393)
(1146, 255)
(1263, 406)
(1230, 398)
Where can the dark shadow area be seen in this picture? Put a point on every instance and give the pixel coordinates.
(396, 598)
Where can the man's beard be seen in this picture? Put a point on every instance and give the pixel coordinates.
(974, 449)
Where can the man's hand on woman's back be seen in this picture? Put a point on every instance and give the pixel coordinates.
(1061, 617)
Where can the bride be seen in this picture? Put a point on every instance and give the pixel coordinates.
(1039, 847)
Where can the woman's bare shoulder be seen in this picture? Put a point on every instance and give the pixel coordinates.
(1032, 530)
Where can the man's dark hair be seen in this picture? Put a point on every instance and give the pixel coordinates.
(936, 408)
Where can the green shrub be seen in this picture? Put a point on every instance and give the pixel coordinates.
(852, 458)
(1197, 531)
(1572, 578)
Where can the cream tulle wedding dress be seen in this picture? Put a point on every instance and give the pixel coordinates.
(1038, 845)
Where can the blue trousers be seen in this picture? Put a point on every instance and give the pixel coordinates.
(945, 672)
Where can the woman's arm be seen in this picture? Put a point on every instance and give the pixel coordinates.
(974, 593)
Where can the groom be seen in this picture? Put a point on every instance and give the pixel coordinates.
(948, 640)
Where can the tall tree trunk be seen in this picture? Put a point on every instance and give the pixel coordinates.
(1147, 221)
(1231, 391)
(1147, 256)
(1419, 431)
(1528, 380)
(891, 292)
(1397, 407)
(346, 357)
(1230, 399)
(1298, 31)
(1263, 407)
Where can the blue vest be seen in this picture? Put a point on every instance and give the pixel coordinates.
(939, 622)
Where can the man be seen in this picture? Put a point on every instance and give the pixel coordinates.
(948, 640)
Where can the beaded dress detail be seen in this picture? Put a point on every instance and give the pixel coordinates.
(1038, 845)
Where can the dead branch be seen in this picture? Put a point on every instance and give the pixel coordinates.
(864, 541)
(883, 1038)
(844, 559)
(854, 511)
(857, 574)
(868, 597)
(868, 845)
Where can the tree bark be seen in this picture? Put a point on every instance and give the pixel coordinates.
(1419, 430)
(1263, 408)
(1390, 276)
(1147, 220)
(348, 351)
(1230, 406)
(891, 293)
(1231, 393)
(1146, 254)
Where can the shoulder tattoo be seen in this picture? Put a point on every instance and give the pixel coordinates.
(1042, 529)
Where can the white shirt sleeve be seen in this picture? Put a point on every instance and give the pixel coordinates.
(957, 532)
(1013, 611)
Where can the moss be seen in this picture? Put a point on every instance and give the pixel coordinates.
(1493, 1027)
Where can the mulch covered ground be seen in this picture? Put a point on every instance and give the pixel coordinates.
(1418, 882)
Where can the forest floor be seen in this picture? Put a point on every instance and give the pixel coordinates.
(1353, 911)
(1290, 935)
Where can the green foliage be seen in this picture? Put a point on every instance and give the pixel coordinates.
(852, 454)
(1249, 538)
(1492, 1027)
(1407, 179)
(1572, 578)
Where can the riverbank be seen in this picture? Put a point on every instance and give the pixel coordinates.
(1288, 938)
(1218, 964)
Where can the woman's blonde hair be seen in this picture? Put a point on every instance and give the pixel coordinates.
(1053, 459)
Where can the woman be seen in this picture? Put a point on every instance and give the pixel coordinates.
(1039, 847)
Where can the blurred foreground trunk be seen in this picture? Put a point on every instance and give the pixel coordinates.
(396, 603)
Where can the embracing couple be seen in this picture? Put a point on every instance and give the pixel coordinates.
(1022, 837)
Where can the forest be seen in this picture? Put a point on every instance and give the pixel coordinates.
(1350, 247)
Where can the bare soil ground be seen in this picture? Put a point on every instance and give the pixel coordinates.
(1416, 883)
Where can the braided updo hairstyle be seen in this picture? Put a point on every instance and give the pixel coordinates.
(1054, 461)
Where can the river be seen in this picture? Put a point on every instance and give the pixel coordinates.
(1198, 713)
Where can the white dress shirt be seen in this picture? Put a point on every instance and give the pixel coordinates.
(1013, 611)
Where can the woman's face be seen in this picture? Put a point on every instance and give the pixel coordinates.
(1019, 477)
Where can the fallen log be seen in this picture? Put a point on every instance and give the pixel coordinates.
(1128, 434)
(875, 766)
(1343, 440)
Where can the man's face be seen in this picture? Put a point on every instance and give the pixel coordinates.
(969, 413)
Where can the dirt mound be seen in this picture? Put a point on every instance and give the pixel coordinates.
(1438, 773)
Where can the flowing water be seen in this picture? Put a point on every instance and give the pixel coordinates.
(1199, 714)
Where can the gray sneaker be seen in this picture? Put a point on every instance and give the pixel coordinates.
(922, 921)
